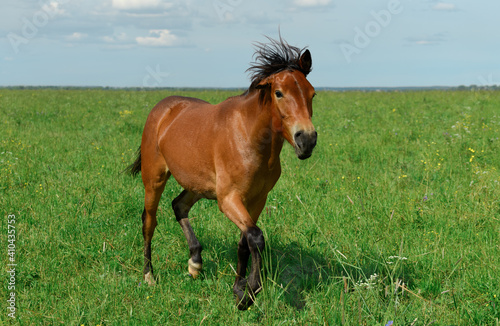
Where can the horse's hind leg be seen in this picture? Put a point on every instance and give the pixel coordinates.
(154, 184)
(181, 205)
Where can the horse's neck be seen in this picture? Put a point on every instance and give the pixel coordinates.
(267, 138)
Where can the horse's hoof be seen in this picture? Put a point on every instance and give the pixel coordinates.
(243, 299)
(245, 302)
(149, 278)
(194, 268)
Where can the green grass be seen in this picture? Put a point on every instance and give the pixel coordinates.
(395, 217)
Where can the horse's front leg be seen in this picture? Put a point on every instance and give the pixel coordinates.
(251, 243)
(241, 269)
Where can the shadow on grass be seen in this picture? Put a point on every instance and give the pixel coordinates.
(299, 269)
(291, 267)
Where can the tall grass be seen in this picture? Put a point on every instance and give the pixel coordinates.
(395, 217)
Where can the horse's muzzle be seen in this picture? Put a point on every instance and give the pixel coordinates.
(304, 143)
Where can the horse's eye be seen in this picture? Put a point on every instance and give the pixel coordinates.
(278, 94)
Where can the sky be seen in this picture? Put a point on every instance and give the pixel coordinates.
(210, 43)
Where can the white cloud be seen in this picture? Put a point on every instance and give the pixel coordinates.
(135, 4)
(76, 36)
(53, 9)
(161, 37)
(444, 6)
(117, 37)
(311, 3)
(434, 39)
(424, 42)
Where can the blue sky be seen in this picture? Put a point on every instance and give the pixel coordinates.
(195, 43)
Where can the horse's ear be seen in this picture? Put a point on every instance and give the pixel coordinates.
(305, 62)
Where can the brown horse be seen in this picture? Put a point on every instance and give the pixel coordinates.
(229, 152)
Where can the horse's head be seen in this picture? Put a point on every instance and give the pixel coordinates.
(290, 95)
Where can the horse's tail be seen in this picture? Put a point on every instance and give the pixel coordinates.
(134, 168)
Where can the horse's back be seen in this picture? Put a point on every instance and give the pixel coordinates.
(169, 110)
(176, 104)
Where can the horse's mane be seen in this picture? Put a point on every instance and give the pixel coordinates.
(273, 57)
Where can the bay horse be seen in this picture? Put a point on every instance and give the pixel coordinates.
(229, 152)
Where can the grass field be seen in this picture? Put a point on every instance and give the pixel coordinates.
(395, 217)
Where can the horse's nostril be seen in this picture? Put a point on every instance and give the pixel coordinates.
(299, 139)
(314, 137)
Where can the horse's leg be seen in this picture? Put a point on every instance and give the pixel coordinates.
(153, 186)
(181, 205)
(241, 269)
(252, 238)
(244, 253)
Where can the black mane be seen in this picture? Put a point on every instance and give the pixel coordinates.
(273, 57)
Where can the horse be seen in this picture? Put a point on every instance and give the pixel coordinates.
(229, 152)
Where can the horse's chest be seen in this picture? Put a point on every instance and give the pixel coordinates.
(262, 181)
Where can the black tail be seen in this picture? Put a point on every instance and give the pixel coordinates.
(134, 168)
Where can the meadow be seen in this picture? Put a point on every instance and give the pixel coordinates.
(394, 220)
